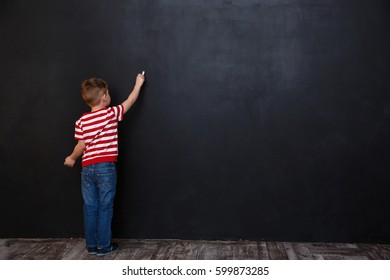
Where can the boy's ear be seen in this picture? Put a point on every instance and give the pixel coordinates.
(105, 92)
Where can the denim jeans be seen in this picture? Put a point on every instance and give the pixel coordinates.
(98, 187)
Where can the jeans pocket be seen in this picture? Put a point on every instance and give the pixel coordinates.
(107, 180)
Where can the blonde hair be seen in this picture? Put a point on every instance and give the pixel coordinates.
(91, 89)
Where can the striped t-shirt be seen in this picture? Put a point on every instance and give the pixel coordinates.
(99, 130)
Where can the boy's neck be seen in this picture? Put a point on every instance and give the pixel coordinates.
(96, 108)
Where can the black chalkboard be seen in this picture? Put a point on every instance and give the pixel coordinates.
(263, 120)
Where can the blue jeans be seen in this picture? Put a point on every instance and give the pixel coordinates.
(98, 186)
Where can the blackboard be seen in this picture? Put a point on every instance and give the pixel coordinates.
(263, 120)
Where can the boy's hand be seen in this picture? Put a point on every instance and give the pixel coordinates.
(139, 81)
(78, 151)
(69, 162)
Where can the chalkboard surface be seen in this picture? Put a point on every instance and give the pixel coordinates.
(263, 120)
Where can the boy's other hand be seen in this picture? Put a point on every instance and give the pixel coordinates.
(69, 162)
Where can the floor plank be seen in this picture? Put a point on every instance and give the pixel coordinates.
(130, 249)
(18, 249)
(262, 251)
(76, 250)
(186, 250)
(276, 251)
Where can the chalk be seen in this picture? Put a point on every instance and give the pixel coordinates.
(143, 73)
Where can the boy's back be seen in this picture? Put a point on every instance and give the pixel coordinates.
(99, 131)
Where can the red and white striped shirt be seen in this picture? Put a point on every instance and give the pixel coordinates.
(99, 130)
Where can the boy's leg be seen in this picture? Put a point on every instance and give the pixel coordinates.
(91, 200)
(107, 178)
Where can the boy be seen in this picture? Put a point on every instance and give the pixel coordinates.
(97, 135)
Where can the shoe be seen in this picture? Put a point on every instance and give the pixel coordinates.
(92, 250)
(107, 250)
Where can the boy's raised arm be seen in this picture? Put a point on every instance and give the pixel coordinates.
(133, 96)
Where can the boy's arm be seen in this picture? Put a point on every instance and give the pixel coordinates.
(78, 151)
(134, 94)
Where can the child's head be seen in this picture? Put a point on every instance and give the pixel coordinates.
(93, 90)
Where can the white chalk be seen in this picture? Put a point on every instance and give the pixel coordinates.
(143, 73)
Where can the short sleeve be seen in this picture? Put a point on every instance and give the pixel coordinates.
(118, 112)
(78, 132)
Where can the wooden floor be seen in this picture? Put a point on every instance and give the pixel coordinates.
(74, 249)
